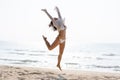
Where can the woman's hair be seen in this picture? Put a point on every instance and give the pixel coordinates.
(51, 25)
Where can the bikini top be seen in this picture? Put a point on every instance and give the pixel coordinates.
(59, 24)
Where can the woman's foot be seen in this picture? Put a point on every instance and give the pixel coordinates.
(59, 67)
(44, 37)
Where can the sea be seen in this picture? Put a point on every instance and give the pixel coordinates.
(101, 57)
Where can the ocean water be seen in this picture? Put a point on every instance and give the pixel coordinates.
(90, 57)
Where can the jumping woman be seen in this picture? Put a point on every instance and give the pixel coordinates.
(58, 25)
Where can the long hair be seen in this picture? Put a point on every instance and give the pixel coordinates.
(51, 24)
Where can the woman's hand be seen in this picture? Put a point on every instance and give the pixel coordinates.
(44, 10)
(56, 8)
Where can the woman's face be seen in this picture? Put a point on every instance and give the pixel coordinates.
(51, 25)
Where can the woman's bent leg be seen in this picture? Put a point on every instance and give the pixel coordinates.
(53, 45)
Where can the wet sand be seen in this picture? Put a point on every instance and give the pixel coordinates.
(33, 73)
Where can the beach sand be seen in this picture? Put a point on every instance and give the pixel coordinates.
(33, 73)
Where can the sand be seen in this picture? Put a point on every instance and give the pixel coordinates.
(33, 73)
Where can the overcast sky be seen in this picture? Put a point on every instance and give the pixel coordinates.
(87, 21)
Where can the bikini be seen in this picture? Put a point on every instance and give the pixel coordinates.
(59, 24)
(62, 40)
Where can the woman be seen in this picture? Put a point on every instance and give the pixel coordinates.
(57, 24)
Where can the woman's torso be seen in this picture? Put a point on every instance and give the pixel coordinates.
(62, 34)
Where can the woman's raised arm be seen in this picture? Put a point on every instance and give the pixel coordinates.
(44, 10)
(58, 11)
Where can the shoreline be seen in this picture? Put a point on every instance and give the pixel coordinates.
(33, 73)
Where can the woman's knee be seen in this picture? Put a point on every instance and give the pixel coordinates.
(50, 48)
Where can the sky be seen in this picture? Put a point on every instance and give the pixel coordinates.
(87, 21)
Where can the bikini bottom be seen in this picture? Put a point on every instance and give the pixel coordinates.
(62, 40)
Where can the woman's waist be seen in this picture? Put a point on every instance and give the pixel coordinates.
(62, 36)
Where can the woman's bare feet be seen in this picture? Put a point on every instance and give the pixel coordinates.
(44, 37)
(59, 67)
